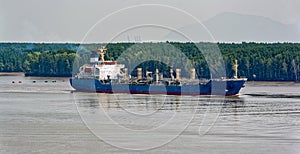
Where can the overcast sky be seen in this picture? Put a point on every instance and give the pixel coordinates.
(76, 20)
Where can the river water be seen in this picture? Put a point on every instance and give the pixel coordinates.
(44, 115)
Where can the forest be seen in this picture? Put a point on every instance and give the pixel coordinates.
(257, 61)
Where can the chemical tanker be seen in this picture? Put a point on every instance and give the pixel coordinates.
(110, 77)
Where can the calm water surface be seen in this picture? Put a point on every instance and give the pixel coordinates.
(47, 117)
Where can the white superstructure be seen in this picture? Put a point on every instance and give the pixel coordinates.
(101, 70)
(108, 69)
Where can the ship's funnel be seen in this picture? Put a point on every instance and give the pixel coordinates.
(140, 74)
(178, 74)
(192, 74)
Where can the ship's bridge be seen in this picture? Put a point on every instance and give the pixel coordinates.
(108, 68)
(101, 69)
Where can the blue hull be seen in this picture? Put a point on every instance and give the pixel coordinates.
(218, 87)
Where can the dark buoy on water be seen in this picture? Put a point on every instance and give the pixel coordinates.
(20, 81)
(34, 81)
(46, 81)
(13, 82)
(53, 81)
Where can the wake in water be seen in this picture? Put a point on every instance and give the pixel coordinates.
(272, 90)
(274, 95)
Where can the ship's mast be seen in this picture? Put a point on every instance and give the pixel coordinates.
(102, 53)
(295, 70)
(235, 66)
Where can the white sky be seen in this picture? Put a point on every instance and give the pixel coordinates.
(70, 20)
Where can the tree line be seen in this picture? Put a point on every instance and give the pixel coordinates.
(257, 61)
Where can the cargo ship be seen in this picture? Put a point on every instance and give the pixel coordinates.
(111, 77)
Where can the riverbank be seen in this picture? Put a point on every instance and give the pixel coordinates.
(12, 74)
(48, 75)
(33, 75)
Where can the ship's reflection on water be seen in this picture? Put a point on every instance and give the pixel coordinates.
(234, 102)
(152, 103)
(150, 112)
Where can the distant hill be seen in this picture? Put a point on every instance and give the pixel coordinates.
(233, 27)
